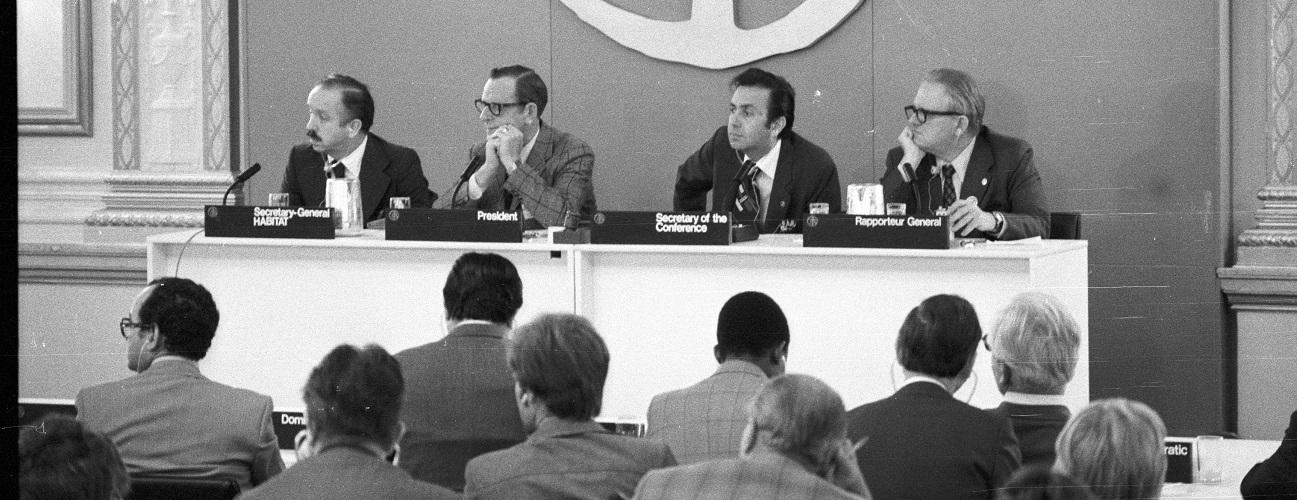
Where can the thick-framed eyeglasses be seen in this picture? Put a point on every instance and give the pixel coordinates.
(495, 107)
(986, 343)
(921, 115)
(127, 323)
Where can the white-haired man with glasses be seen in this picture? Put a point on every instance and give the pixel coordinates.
(168, 419)
(524, 164)
(948, 159)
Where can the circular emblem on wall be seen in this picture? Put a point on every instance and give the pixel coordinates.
(212, 212)
(599, 218)
(812, 221)
(394, 215)
(709, 38)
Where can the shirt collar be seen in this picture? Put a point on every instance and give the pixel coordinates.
(961, 161)
(353, 160)
(923, 378)
(552, 427)
(740, 366)
(770, 161)
(1019, 398)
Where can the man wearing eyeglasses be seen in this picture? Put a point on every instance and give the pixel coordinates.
(524, 163)
(340, 146)
(947, 158)
(756, 166)
(169, 419)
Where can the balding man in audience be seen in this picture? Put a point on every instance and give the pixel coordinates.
(59, 458)
(353, 410)
(559, 363)
(169, 419)
(459, 394)
(706, 420)
(921, 442)
(795, 446)
(1033, 354)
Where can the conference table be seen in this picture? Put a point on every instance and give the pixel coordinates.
(286, 302)
(1239, 457)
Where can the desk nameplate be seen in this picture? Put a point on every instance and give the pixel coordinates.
(268, 222)
(661, 228)
(477, 226)
(876, 231)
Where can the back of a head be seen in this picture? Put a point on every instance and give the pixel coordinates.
(939, 336)
(966, 98)
(750, 324)
(783, 99)
(483, 286)
(1116, 447)
(1039, 482)
(1039, 339)
(184, 313)
(799, 415)
(563, 361)
(528, 87)
(355, 97)
(60, 459)
(355, 394)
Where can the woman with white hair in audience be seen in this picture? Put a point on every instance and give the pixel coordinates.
(1116, 447)
(1034, 348)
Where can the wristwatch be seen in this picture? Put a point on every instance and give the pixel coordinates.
(999, 223)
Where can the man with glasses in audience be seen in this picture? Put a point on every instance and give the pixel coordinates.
(341, 110)
(947, 158)
(169, 419)
(524, 163)
(756, 166)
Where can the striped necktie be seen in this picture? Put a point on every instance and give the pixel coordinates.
(748, 198)
(948, 185)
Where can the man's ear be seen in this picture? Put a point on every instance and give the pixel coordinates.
(532, 111)
(716, 351)
(777, 126)
(353, 127)
(153, 339)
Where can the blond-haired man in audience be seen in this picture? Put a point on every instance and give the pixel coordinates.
(1034, 349)
(795, 446)
(1116, 447)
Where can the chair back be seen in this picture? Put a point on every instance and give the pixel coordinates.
(1064, 225)
(152, 487)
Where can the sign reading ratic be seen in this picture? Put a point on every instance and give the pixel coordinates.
(709, 38)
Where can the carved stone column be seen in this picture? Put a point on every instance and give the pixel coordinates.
(1262, 284)
(171, 119)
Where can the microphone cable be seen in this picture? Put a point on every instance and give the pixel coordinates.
(183, 246)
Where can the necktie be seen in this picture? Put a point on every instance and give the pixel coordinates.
(948, 185)
(748, 198)
(339, 170)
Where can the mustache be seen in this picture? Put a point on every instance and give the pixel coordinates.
(313, 135)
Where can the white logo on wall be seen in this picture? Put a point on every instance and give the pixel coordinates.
(709, 38)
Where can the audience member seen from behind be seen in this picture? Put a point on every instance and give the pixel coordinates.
(169, 419)
(59, 459)
(459, 395)
(1039, 482)
(706, 420)
(559, 363)
(1034, 350)
(794, 446)
(353, 409)
(1117, 448)
(1276, 477)
(921, 442)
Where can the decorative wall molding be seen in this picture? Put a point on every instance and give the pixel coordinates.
(171, 126)
(74, 116)
(58, 196)
(79, 263)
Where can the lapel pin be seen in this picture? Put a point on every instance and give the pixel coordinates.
(983, 181)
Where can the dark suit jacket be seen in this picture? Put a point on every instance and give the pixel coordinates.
(1036, 427)
(761, 475)
(171, 420)
(565, 459)
(806, 174)
(459, 403)
(555, 178)
(387, 170)
(1000, 174)
(346, 473)
(1276, 477)
(925, 444)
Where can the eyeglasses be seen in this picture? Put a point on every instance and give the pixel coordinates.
(920, 115)
(986, 343)
(127, 323)
(495, 107)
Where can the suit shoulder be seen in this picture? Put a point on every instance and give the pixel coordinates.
(1001, 143)
(566, 141)
(810, 151)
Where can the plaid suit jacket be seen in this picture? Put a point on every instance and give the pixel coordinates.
(762, 475)
(705, 421)
(556, 177)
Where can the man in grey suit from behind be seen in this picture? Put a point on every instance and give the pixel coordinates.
(794, 446)
(353, 420)
(459, 401)
(705, 421)
(169, 419)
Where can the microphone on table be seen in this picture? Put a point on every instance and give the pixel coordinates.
(473, 164)
(238, 181)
